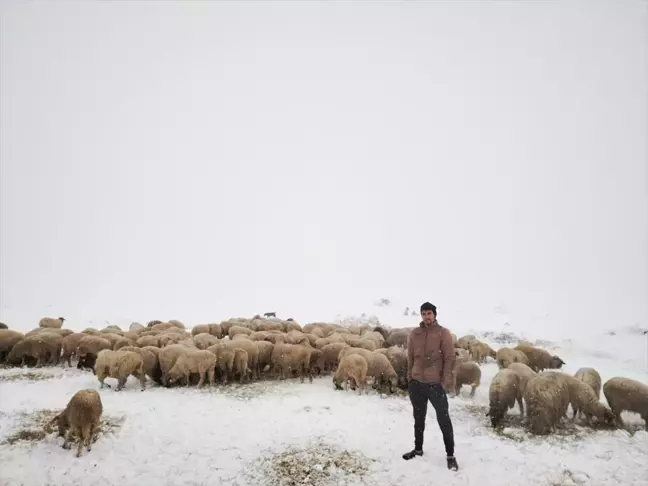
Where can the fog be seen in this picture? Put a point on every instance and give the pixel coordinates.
(203, 160)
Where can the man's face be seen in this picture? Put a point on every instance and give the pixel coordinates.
(428, 316)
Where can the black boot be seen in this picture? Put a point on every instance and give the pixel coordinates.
(412, 454)
(452, 464)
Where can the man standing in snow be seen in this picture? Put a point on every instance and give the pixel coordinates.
(430, 359)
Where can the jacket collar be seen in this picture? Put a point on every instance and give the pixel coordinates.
(434, 324)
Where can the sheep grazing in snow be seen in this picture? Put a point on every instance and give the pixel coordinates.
(81, 418)
(8, 339)
(624, 394)
(504, 391)
(241, 363)
(51, 322)
(204, 340)
(253, 354)
(547, 399)
(582, 398)
(593, 379)
(506, 356)
(331, 356)
(468, 373)
(539, 359)
(69, 346)
(119, 365)
(191, 361)
(224, 359)
(88, 349)
(524, 372)
(149, 356)
(352, 367)
(287, 358)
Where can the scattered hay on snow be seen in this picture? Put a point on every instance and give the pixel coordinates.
(32, 426)
(318, 464)
(26, 376)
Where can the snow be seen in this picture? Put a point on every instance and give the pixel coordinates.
(225, 435)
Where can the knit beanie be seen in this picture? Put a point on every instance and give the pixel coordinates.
(426, 306)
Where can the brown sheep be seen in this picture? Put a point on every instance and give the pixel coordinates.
(149, 356)
(197, 361)
(331, 356)
(240, 363)
(69, 346)
(88, 349)
(44, 348)
(224, 359)
(148, 341)
(119, 365)
(81, 418)
(539, 359)
(480, 351)
(464, 342)
(204, 340)
(593, 379)
(582, 398)
(51, 322)
(253, 354)
(168, 357)
(506, 356)
(287, 358)
(8, 339)
(504, 391)
(398, 337)
(524, 372)
(234, 330)
(468, 373)
(626, 394)
(265, 354)
(352, 367)
(547, 399)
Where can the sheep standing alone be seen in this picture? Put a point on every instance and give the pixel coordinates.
(626, 394)
(81, 418)
(468, 373)
(539, 359)
(352, 367)
(547, 399)
(504, 391)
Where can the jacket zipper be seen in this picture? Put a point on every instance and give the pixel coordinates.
(425, 353)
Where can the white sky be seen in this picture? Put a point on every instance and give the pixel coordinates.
(200, 160)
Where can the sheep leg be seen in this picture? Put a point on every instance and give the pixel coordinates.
(210, 374)
(142, 379)
(519, 400)
(95, 433)
(66, 439)
(83, 438)
(201, 381)
(472, 391)
(120, 384)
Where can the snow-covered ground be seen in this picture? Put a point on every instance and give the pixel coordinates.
(229, 435)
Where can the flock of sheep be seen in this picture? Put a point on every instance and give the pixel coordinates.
(250, 349)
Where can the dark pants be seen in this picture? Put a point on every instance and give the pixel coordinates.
(419, 394)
